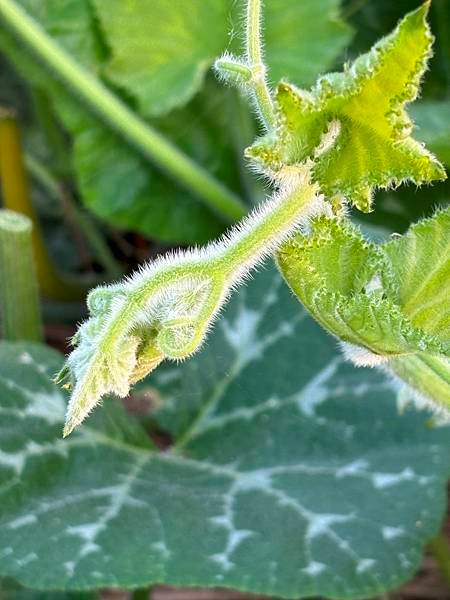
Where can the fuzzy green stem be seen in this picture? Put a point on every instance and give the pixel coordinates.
(440, 549)
(254, 53)
(277, 219)
(236, 69)
(118, 116)
(21, 316)
(428, 375)
(216, 269)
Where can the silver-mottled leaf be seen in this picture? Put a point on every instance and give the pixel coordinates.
(291, 473)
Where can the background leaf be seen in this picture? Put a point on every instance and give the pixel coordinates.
(158, 55)
(303, 39)
(115, 182)
(161, 50)
(285, 456)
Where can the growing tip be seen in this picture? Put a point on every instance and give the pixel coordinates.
(419, 14)
(72, 421)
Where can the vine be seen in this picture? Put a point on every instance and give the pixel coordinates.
(323, 149)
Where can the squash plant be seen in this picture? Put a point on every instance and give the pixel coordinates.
(290, 472)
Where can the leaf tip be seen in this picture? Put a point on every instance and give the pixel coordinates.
(418, 15)
(69, 426)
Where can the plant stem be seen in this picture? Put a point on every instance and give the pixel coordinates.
(428, 375)
(118, 116)
(262, 93)
(243, 72)
(440, 549)
(16, 196)
(21, 317)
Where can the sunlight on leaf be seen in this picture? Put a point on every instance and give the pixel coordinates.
(354, 125)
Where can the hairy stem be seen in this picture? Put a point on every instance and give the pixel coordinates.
(19, 301)
(118, 116)
(176, 299)
(254, 53)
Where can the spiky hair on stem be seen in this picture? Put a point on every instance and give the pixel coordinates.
(166, 308)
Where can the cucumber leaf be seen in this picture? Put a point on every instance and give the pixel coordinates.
(283, 455)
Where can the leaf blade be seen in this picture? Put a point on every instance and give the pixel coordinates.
(271, 460)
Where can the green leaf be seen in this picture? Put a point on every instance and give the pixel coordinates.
(433, 127)
(284, 456)
(122, 188)
(345, 283)
(420, 267)
(371, 20)
(303, 38)
(10, 590)
(115, 182)
(353, 124)
(161, 50)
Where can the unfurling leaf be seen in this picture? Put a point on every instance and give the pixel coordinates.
(353, 124)
(388, 304)
(165, 311)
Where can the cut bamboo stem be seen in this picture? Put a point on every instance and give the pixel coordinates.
(19, 298)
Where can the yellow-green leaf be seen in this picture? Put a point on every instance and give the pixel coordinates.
(353, 124)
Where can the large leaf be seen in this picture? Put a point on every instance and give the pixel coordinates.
(114, 180)
(303, 39)
(161, 50)
(291, 475)
(353, 125)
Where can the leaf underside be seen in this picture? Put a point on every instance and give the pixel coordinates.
(285, 457)
(391, 299)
